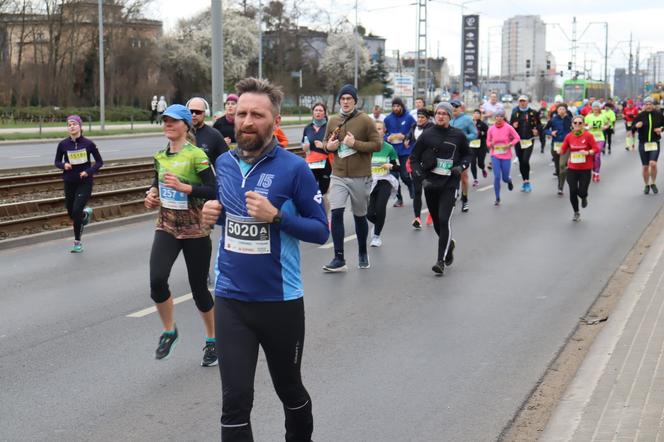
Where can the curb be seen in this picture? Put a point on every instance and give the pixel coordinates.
(65, 233)
(100, 137)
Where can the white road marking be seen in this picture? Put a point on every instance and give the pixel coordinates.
(331, 244)
(147, 311)
(485, 188)
(25, 156)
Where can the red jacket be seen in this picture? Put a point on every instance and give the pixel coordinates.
(585, 110)
(629, 112)
(574, 144)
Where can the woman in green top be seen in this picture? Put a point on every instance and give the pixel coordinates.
(384, 184)
(597, 122)
(183, 181)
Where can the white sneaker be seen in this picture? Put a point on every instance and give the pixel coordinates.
(376, 241)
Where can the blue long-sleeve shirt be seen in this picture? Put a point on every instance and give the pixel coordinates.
(399, 124)
(466, 125)
(261, 261)
(562, 126)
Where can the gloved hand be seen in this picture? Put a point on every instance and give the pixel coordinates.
(456, 171)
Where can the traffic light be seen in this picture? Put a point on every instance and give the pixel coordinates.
(528, 64)
(569, 65)
(548, 65)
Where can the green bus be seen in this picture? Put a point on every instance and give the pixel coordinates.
(578, 90)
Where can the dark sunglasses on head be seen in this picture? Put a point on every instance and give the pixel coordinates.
(196, 111)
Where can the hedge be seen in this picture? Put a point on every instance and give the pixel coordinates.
(34, 114)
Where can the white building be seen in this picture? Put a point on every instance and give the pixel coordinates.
(523, 51)
(655, 67)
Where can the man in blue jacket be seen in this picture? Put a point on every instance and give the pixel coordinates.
(268, 201)
(397, 126)
(464, 123)
(558, 127)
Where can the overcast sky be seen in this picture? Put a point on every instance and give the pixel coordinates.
(396, 21)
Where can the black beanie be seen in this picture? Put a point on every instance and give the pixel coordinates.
(399, 101)
(348, 89)
(423, 112)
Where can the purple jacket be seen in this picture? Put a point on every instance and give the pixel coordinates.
(77, 153)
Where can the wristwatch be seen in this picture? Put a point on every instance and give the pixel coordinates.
(277, 218)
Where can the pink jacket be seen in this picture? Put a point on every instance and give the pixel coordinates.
(501, 136)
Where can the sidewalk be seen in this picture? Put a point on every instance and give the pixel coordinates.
(618, 392)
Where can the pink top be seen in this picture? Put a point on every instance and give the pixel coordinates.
(500, 140)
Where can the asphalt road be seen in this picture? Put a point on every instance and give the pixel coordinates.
(43, 153)
(392, 353)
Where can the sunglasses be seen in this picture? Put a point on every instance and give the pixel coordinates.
(196, 111)
(577, 122)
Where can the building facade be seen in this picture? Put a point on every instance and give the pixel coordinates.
(523, 51)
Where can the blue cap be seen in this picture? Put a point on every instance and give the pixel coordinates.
(178, 112)
(455, 103)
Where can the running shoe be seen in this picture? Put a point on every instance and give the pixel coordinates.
(484, 173)
(597, 177)
(439, 268)
(476, 183)
(560, 192)
(209, 355)
(429, 220)
(646, 190)
(449, 257)
(417, 223)
(87, 215)
(398, 203)
(510, 185)
(166, 345)
(609, 151)
(376, 241)
(523, 187)
(335, 266)
(496, 203)
(576, 217)
(584, 202)
(528, 188)
(363, 261)
(464, 206)
(654, 188)
(77, 247)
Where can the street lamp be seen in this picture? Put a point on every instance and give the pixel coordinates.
(102, 92)
(217, 56)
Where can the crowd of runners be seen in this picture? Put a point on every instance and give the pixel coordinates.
(265, 200)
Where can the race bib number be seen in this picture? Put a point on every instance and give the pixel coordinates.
(443, 167)
(475, 144)
(345, 151)
(172, 199)
(599, 137)
(317, 165)
(577, 158)
(501, 148)
(77, 156)
(629, 124)
(232, 146)
(525, 144)
(650, 147)
(378, 170)
(492, 121)
(557, 145)
(246, 235)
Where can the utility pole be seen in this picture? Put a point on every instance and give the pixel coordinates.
(217, 56)
(356, 34)
(421, 70)
(102, 92)
(606, 60)
(260, 39)
(574, 47)
(629, 68)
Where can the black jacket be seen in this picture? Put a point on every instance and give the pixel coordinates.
(442, 143)
(226, 128)
(647, 131)
(528, 120)
(211, 141)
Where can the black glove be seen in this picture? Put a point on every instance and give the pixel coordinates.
(456, 171)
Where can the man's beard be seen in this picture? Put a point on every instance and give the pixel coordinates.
(254, 142)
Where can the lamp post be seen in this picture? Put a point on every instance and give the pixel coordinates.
(102, 92)
(217, 56)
